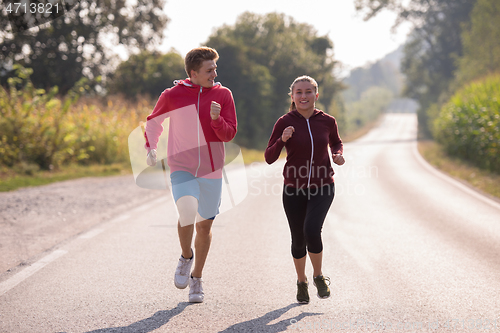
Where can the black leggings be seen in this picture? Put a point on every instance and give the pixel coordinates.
(306, 211)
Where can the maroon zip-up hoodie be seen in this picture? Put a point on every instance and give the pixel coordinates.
(307, 147)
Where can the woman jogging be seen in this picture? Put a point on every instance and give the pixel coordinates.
(308, 190)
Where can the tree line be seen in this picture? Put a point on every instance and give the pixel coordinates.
(260, 56)
(451, 62)
(372, 90)
(453, 43)
(74, 46)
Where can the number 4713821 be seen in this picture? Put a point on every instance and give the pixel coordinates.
(32, 8)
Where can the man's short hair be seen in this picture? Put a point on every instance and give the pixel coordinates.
(195, 58)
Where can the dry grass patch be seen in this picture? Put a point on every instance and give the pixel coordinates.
(11, 179)
(483, 180)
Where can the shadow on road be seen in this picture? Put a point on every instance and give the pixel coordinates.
(150, 324)
(261, 324)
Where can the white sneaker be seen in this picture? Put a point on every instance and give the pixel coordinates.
(196, 294)
(183, 271)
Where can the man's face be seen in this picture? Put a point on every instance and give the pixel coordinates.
(206, 75)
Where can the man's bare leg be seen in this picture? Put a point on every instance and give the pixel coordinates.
(187, 207)
(185, 239)
(202, 243)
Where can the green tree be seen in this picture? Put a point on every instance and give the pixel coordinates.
(432, 49)
(262, 55)
(252, 86)
(481, 42)
(73, 46)
(147, 73)
(468, 125)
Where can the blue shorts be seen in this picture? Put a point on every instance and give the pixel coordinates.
(207, 191)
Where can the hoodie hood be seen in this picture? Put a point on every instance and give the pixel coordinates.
(297, 113)
(188, 83)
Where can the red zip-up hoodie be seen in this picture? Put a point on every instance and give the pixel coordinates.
(195, 141)
(307, 162)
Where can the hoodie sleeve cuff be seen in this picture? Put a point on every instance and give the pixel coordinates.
(218, 121)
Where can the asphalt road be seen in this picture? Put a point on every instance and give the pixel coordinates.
(407, 249)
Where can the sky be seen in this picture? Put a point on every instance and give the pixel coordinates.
(356, 42)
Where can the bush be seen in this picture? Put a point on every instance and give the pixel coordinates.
(30, 123)
(469, 124)
(100, 131)
(39, 129)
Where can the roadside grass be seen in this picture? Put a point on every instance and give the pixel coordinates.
(11, 180)
(15, 178)
(252, 155)
(482, 180)
(356, 134)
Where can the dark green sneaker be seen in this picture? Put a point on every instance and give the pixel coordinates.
(302, 292)
(323, 289)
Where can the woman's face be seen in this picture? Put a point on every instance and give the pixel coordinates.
(304, 95)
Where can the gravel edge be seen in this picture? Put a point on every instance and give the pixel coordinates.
(34, 220)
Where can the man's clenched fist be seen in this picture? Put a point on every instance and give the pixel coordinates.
(215, 110)
(151, 160)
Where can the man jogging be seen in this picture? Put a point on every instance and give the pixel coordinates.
(202, 117)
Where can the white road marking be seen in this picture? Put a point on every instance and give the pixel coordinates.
(119, 218)
(7, 285)
(92, 233)
(25, 273)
